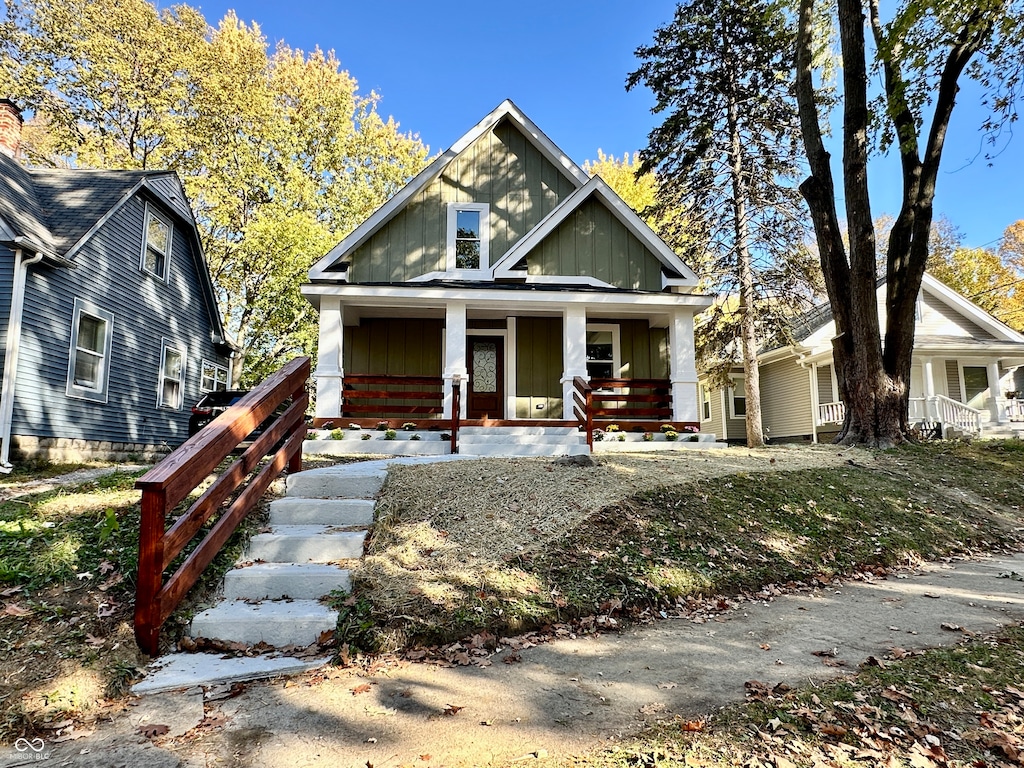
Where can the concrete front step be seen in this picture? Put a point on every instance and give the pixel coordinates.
(342, 512)
(504, 438)
(524, 449)
(306, 543)
(336, 483)
(277, 623)
(273, 581)
(565, 431)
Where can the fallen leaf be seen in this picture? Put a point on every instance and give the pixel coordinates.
(765, 647)
(667, 685)
(832, 730)
(13, 609)
(105, 610)
(10, 592)
(364, 688)
(691, 725)
(94, 642)
(950, 627)
(152, 731)
(830, 652)
(452, 709)
(106, 567)
(425, 758)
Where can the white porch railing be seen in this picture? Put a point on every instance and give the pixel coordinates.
(1015, 410)
(930, 410)
(831, 413)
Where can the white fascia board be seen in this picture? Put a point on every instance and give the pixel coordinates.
(410, 295)
(622, 212)
(969, 309)
(382, 215)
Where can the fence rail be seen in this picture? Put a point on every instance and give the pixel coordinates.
(384, 396)
(583, 407)
(173, 479)
(632, 399)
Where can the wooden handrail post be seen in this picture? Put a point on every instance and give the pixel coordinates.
(589, 400)
(456, 411)
(151, 565)
(295, 460)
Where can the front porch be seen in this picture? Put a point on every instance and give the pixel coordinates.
(444, 358)
(939, 415)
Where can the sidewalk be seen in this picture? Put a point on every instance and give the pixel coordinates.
(560, 698)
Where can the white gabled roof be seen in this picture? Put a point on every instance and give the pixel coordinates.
(576, 175)
(622, 212)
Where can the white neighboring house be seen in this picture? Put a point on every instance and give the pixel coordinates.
(967, 375)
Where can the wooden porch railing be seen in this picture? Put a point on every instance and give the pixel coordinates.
(174, 478)
(583, 407)
(383, 396)
(632, 399)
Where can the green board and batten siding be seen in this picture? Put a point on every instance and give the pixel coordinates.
(502, 168)
(643, 350)
(538, 368)
(394, 347)
(594, 243)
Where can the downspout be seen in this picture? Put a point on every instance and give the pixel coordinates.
(11, 355)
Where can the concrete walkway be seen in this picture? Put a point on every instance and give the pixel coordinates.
(563, 697)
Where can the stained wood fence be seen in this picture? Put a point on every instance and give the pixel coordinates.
(631, 399)
(171, 481)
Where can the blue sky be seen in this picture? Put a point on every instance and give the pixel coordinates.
(565, 62)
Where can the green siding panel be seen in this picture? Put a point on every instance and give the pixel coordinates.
(394, 347)
(538, 367)
(594, 243)
(502, 168)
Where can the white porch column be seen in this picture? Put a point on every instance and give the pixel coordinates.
(997, 406)
(574, 354)
(928, 374)
(329, 374)
(455, 355)
(683, 371)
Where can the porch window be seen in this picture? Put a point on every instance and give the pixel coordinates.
(468, 237)
(172, 376)
(156, 247)
(602, 351)
(737, 399)
(975, 381)
(89, 357)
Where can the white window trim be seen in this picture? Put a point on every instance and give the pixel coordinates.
(99, 394)
(217, 368)
(732, 402)
(485, 241)
(616, 349)
(705, 400)
(153, 213)
(166, 344)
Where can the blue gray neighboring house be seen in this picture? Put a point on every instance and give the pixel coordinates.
(109, 328)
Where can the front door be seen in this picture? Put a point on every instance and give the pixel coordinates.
(486, 393)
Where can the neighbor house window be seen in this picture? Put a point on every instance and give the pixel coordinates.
(214, 377)
(737, 399)
(156, 248)
(468, 237)
(172, 376)
(705, 401)
(602, 351)
(89, 358)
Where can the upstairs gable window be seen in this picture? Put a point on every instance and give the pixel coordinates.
(156, 247)
(468, 237)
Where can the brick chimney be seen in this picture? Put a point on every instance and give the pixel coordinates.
(10, 127)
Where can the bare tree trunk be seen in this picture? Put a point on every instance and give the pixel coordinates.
(748, 317)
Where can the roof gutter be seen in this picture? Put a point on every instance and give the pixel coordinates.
(10, 377)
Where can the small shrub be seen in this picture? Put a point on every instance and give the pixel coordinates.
(415, 437)
(312, 435)
(365, 437)
(446, 435)
(337, 434)
(355, 427)
(648, 436)
(390, 434)
(667, 428)
(327, 425)
(671, 434)
(620, 437)
(409, 426)
(693, 438)
(598, 434)
(612, 428)
(383, 426)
